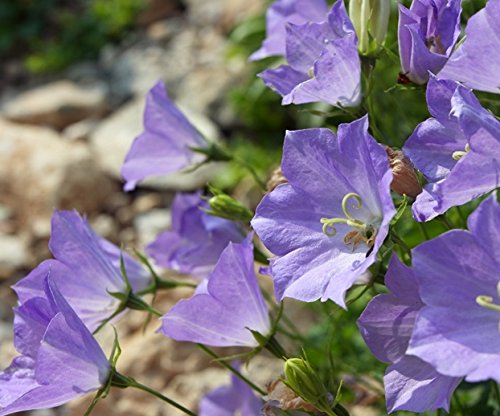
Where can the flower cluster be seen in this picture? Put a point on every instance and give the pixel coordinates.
(335, 216)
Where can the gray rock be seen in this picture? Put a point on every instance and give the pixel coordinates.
(57, 104)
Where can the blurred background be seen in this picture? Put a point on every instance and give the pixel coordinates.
(73, 78)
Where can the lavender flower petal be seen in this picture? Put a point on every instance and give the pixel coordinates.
(227, 310)
(164, 146)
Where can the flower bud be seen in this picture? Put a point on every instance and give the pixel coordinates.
(370, 19)
(303, 380)
(224, 206)
(405, 181)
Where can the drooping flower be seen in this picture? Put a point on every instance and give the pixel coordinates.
(225, 310)
(457, 150)
(60, 359)
(86, 270)
(196, 239)
(327, 223)
(458, 328)
(235, 399)
(323, 62)
(386, 326)
(427, 34)
(165, 144)
(476, 62)
(279, 14)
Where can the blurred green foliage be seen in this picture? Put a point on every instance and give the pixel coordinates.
(51, 34)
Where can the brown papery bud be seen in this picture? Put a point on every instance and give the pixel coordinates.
(287, 398)
(405, 181)
(276, 179)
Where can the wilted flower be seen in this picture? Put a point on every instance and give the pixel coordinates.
(165, 145)
(225, 310)
(458, 150)
(457, 330)
(196, 239)
(405, 181)
(60, 359)
(427, 34)
(327, 223)
(282, 12)
(235, 399)
(476, 62)
(86, 270)
(370, 19)
(323, 62)
(386, 325)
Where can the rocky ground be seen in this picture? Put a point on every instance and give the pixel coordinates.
(62, 143)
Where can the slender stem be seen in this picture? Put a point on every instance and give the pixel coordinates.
(401, 243)
(445, 222)
(462, 217)
(160, 396)
(243, 163)
(230, 368)
(424, 231)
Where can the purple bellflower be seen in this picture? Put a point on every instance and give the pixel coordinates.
(165, 144)
(60, 359)
(86, 270)
(476, 62)
(225, 310)
(458, 150)
(386, 325)
(279, 14)
(196, 239)
(427, 34)
(323, 62)
(457, 330)
(235, 399)
(327, 223)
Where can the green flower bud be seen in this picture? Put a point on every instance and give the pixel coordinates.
(305, 382)
(224, 206)
(370, 19)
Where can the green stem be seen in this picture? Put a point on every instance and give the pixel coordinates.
(232, 369)
(166, 285)
(243, 163)
(401, 243)
(160, 396)
(496, 391)
(424, 231)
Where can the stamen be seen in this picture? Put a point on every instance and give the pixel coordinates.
(487, 302)
(346, 199)
(329, 223)
(459, 154)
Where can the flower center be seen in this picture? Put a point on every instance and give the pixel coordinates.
(363, 232)
(459, 154)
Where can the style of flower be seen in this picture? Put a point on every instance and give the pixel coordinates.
(60, 359)
(86, 270)
(386, 325)
(427, 35)
(327, 223)
(196, 239)
(237, 398)
(458, 150)
(323, 62)
(457, 330)
(224, 311)
(279, 14)
(476, 62)
(165, 144)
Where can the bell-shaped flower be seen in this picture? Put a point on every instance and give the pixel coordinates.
(457, 329)
(86, 270)
(327, 223)
(235, 399)
(457, 150)
(226, 309)
(476, 62)
(196, 239)
(165, 145)
(427, 35)
(386, 326)
(323, 62)
(60, 359)
(279, 14)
